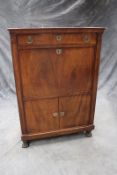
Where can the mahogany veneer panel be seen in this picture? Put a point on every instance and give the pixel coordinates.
(59, 75)
(39, 115)
(44, 38)
(76, 109)
(56, 73)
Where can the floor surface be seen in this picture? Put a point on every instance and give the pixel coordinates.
(66, 155)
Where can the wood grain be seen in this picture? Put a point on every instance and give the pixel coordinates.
(59, 132)
(46, 74)
(39, 115)
(56, 80)
(45, 39)
(39, 72)
(76, 109)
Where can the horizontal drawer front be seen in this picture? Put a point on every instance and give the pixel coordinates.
(57, 39)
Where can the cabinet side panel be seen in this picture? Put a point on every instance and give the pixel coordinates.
(95, 77)
(17, 81)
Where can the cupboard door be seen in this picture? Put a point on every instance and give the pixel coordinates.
(38, 69)
(41, 115)
(74, 111)
(75, 70)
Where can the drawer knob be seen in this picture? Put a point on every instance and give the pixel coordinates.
(58, 51)
(58, 37)
(62, 114)
(55, 114)
(86, 38)
(29, 40)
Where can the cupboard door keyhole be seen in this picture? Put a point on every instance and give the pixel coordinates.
(58, 51)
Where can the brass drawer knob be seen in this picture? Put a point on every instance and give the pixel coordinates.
(29, 40)
(55, 114)
(86, 38)
(62, 114)
(58, 51)
(58, 37)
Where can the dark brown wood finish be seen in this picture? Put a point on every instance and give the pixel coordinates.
(56, 73)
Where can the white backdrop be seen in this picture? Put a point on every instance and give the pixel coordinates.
(43, 13)
(68, 155)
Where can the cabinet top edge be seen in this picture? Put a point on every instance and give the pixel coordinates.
(57, 29)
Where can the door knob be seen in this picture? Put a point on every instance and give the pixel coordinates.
(55, 114)
(62, 114)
